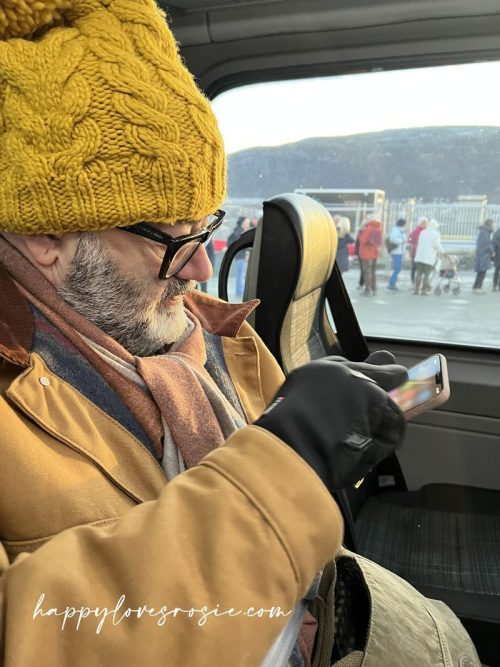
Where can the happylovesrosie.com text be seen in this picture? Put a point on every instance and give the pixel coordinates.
(120, 613)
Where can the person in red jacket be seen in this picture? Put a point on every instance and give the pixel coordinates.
(423, 221)
(370, 244)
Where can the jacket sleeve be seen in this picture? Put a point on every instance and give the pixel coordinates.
(191, 578)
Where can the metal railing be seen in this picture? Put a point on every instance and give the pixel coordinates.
(458, 221)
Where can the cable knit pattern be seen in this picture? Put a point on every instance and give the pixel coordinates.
(101, 125)
(20, 18)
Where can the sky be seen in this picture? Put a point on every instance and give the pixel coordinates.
(271, 114)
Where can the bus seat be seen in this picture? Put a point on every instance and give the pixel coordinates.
(292, 258)
(443, 539)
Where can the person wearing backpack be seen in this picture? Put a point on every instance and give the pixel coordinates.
(396, 244)
(370, 244)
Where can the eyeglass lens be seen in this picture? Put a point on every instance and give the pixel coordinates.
(182, 257)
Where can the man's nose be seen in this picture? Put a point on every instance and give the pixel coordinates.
(199, 267)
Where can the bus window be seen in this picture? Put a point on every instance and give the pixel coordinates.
(416, 150)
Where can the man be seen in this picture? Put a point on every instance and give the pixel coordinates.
(104, 133)
(495, 241)
(397, 240)
(485, 252)
(413, 237)
(142, 520)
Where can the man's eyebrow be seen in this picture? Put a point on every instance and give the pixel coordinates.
(185, 222)
(197, 224)
(167, 226)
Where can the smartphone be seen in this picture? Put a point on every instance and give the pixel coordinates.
(426, 388)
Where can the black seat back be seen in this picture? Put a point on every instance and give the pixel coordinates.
(292, 271)
(292, 258)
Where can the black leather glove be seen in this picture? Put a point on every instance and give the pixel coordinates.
(339, 421)
(379, 366)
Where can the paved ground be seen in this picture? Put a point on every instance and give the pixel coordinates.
(466, 318)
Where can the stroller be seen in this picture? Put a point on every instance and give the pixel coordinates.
(446, 276)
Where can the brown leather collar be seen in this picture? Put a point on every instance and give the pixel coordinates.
(217, 316)
(16, 322)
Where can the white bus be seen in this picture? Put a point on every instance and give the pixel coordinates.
(354, 204)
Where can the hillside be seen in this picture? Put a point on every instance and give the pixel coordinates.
(429, 162)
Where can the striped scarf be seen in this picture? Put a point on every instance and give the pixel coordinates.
(172, 395)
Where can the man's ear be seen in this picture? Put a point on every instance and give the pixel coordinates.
(42, 250)
(45, 249)
(51, 254)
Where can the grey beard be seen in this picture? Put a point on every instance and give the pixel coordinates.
(118, 306)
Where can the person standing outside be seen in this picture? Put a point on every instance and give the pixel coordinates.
(210, 248)
(397, 238)
(361, 282)
(428, 251)
(484, 254)
(423, 221)
(496, 250)
(344, 239)
(242, 262)
(370, 243)
(242, 225)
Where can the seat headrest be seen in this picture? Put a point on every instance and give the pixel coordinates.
(292, 259)
(317, 236)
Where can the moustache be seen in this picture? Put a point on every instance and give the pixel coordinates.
(176, 287)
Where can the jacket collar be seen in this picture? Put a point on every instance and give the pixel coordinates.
(17, 324)
(219, 317)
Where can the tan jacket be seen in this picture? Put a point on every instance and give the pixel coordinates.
(245, 530)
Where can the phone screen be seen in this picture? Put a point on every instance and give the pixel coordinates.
(425, 383)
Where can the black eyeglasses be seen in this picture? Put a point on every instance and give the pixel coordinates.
(179, 249)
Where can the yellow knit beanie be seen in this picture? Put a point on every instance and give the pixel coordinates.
(101, 124)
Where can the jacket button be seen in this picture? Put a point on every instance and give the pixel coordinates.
(44, 381)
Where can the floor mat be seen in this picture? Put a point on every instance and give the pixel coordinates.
(433, 547)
